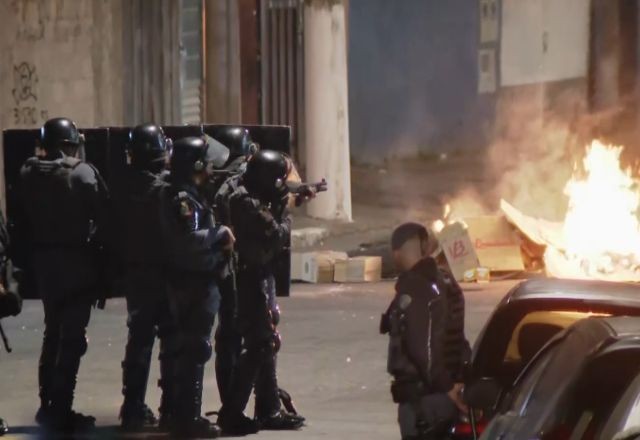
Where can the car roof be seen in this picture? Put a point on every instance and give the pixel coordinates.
(585, 290)
(620, 332)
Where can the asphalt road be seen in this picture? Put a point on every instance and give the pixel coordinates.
(333, 362)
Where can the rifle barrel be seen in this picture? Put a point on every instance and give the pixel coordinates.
(5, 340)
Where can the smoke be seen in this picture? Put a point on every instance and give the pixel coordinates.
(540, 133)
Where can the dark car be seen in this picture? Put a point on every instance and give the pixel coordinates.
(576, 386)
(525, 320)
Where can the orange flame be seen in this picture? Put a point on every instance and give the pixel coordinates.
(601, 231)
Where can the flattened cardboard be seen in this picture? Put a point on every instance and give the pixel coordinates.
(496, 243)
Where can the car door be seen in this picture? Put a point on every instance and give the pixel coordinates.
(537, 402)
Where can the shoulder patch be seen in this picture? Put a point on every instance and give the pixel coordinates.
(404, 301)
(185, 208)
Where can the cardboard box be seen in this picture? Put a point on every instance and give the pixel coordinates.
(358, 270)
(296, 266)
(496, 243)
(315, 267)
(458, 250)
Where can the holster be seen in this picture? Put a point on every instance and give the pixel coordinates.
(407, 390)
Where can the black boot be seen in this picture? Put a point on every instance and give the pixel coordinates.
(236, 423)
(61, 417)
(72, 423)
(138, 418)
(167, 378)
(46, 370)
(135, 415)
(282, 421)
(4, 428)
(187, 421)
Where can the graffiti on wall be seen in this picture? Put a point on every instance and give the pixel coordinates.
(25, 81)
(61, 20)
(25, 95)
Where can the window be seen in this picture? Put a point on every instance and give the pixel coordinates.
(535, 329)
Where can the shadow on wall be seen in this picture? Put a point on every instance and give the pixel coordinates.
(413, 78)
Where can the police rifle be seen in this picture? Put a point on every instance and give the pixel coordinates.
(305, 191)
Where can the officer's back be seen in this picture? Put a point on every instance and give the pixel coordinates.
(63, 200)
(138, 198)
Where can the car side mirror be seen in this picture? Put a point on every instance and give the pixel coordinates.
(483, 393)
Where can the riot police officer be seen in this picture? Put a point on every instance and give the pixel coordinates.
(427, 347)
(240, 144)
(137, 202)
(199, 249)
(64, 201)
(258, 213)
(228, 339)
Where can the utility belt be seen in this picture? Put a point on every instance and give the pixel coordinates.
(182, 278)
(145, 267)
(43, 246)
(407, 389)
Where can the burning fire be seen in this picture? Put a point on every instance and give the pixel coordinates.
(601, 231)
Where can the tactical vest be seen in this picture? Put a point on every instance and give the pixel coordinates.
(57, 211)
(398, 363)
(223, 197)
(139, 204)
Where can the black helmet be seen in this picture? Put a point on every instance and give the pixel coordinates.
(194, 154)
(59, 132)
(148, 146)
(238, 141)
(266, 175)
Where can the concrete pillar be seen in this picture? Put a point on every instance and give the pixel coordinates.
(605, 54)
(326, 107)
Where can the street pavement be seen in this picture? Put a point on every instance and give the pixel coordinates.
(333, 362)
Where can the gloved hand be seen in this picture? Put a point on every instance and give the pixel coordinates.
(227, 239)
(307, 194)
(10, 303)
(279, 208)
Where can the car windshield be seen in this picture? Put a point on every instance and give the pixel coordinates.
(535, 329)
(530, 334)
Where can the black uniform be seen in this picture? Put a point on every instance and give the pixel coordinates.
(10, 302)
(228, 338)
(64, 201)
(138, 203)
(261, 231)
(427, 348)
(196, 261)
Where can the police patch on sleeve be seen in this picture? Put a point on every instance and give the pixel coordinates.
(185, 209)
(188, 212)
(404, 302)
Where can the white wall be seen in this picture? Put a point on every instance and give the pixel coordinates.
(544, 40)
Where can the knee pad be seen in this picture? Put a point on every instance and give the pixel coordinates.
(275, 315)
(77, 346)
(277, 342)
(200, 351)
